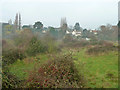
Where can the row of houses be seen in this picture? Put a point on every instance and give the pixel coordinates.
(79, 33)
(68, 31)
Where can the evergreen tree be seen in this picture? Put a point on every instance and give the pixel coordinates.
(38, 25)
(77, 26)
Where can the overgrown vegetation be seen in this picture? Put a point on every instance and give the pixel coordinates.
(100, 71)
(34, 61)
(35, 46)
(20, 48)
(10, 81)
(11, 56)
(69, 41)
(57, 73)
(102, 48)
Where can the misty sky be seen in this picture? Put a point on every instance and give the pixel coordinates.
(89, 13)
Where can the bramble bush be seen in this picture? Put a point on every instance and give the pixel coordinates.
(57, 73)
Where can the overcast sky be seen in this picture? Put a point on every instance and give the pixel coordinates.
(89, 13)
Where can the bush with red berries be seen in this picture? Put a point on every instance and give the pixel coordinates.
(57, 73)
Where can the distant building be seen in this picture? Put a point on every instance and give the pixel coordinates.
(26, 27)
(103, 27)
(10, 22)
(44, 31)
(87, 39)
(63, 21)
(115, 27)
(68, 32)
(6, 29)
(57, 29)
(95, 32)
(76, 33)
(63, 24)
(4, 25)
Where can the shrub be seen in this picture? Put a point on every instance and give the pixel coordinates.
(11, 55)
(106, 47)
(23, 38)
(14, 48)
(9, 80)
(51, 43)
(7, 44)
(83, 43)
(94, 41)
(57, 73)
(68, 41)
(68, 38)
(36, 46)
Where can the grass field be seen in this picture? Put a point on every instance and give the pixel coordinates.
(99, 71)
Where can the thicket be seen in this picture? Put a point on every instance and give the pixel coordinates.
(69, 41)
(26, 44)
(57, 73)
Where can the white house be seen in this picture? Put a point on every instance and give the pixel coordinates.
(76, 33)
(87, 39)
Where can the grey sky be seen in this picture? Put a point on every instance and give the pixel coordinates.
(89, 13)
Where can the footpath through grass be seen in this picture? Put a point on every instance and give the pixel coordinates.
(99, 71)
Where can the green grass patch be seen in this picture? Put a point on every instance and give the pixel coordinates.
(21, 67)
(100, 71)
